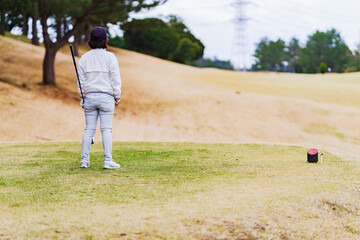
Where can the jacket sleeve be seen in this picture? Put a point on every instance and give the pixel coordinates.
(115, 78)
(82, 77)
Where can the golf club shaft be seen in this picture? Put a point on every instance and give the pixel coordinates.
(72, 53)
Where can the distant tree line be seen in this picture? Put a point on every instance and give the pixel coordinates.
(212, 63)
(323, 52)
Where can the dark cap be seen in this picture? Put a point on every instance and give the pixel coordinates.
(98, 34)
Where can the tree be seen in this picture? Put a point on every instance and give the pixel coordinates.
(354, 64)
(21, 9)
(270, 55)
(293, 51)
(185, 51)
(184, 33)
(68, 17)
(17, 14)
(323, 68)
(35, 16)
(327, 47)
(4, 7)
(116, 41)
(150, 36)
(11, 14)
(168, 40)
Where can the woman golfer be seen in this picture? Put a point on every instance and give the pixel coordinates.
(99, 77)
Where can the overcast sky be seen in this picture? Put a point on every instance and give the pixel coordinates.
(212, 21)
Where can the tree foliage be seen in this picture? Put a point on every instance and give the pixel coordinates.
(150, 36)
(116, 41)
(354, 64)
(71, 15)
(186, 51)
(270, 55)
(15, 13)
(327, 47)
(323, 68)
(184, 33)
(62, 19)
(168, 40)
(293, 52)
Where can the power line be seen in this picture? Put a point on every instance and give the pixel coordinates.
(299, 8)
(329, 14)
(214, 23)
(268, 19)
(205, 7)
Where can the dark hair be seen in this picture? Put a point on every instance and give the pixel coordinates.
(94, 45)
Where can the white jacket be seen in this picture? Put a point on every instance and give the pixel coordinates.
(99, 72)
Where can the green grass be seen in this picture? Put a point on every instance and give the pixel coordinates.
(174, 191)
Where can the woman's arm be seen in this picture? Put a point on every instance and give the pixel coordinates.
(82, 78)
(115, 78)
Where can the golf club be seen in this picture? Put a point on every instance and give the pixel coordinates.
(77, 75)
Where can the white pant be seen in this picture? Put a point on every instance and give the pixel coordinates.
(98, 104)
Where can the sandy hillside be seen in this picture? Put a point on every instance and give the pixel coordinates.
(165, 101)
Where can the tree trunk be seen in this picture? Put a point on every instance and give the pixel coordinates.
(87, 33)
(50, 47)
(35, 38)
(35, 17)
(76, 45)
(48, 66)
(25, 28)
(81, 39)
(2, 22)
(58, 28)
(65, 26)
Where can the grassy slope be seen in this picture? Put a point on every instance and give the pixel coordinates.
(176, 190)
(164, 101)
(329, 88)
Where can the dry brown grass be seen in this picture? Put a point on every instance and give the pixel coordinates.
(164, 101)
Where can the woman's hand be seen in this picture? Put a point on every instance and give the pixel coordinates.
(117, 102)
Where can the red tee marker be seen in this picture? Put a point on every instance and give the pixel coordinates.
(312, 156)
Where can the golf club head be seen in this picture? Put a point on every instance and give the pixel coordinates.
(92, 141)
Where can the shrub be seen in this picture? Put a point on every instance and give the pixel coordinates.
(185, 51)
(116, 42)
(323, 68)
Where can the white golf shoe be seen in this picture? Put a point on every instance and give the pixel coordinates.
(84, 164)
(111, 165)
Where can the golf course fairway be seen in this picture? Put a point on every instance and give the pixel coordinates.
(176, 191)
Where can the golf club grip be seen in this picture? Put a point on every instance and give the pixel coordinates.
(77, 75)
